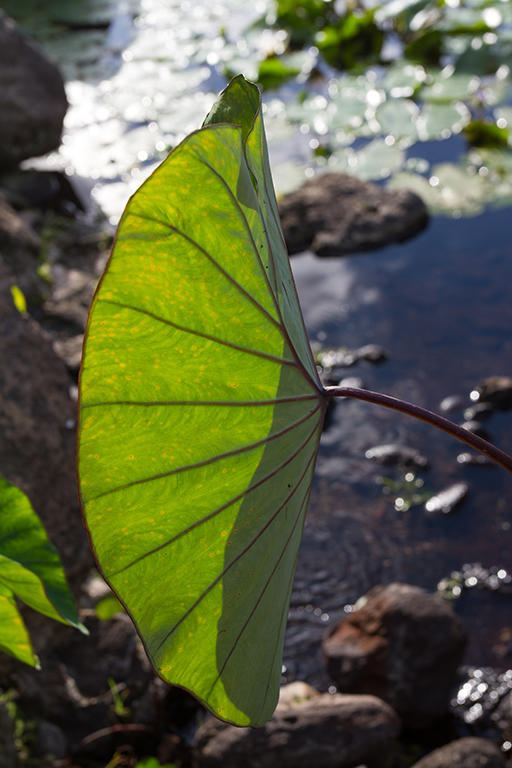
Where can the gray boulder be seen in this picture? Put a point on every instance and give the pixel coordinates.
(334, 214)
(470, 752)
(32, 98)
(325, 731)
(402, 645)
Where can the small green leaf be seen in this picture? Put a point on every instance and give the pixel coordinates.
(107, 607)
(29, 565)
(14, 637)
(19, 299)
(200, 416)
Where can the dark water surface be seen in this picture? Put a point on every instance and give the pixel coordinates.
(441, 304)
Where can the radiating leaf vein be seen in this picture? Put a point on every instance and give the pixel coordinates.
(249, 232)
(237, 558)
(213, 459)
(193, 332)
(213, 261)
(216, 512)
(221, 403)
(265, 586)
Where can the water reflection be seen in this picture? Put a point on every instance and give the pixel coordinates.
(440, 304)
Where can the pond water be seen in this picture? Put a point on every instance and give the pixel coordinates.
(140, 75)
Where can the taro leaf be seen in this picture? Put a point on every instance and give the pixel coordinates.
(200, 416)
(30, 569)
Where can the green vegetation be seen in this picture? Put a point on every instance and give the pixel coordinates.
(200, 416)
(30, 569)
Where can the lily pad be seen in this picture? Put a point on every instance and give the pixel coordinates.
(377, 160)
(454, 87)
(439, 121)
(398, 117)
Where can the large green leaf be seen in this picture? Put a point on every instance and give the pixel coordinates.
(200, 415)
(30, 569)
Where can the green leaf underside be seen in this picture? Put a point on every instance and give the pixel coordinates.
(14, 637)
(29, 564)
(200, 416)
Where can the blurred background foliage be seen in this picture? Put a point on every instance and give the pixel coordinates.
(411, 93)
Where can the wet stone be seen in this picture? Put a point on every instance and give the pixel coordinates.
(335, 214)
(373, 353)
(478, 411)
(402, 455)
(354, 382)
(502, 717)
(402, 645)
(475, 459)
(452, 403)
(496, 390)
(470, 752)
(476, 428)
(327, 731)
(445, 501)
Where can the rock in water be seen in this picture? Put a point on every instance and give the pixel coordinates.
(445, 501)
(328, 731)
(335, 214)
(496, 390)
(402, 645)
(470, 752)
(402, 455)
(32, 98)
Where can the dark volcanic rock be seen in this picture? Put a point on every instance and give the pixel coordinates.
(470, 752)
(402, 455)
(32, 97)
(72, 689)
(19, 249)
(402, 645)
(444, 501)
(335, 214)
(328, 731)
(502, 716)
(496, 390)
(8, 756)
(37, 450)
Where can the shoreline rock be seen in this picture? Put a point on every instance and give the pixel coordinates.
(32, 97)
(327, 731)
(335, 214)
(402, 645)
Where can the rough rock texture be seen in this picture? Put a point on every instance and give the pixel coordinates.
(72, 689)
(334, 214)
(328, 731)
(37, 450)
(470, 752)
(8, 757)
(402, 645)
(19, 247)
(502, 716)
(496, 390)
(296, 693)
(32, 97)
